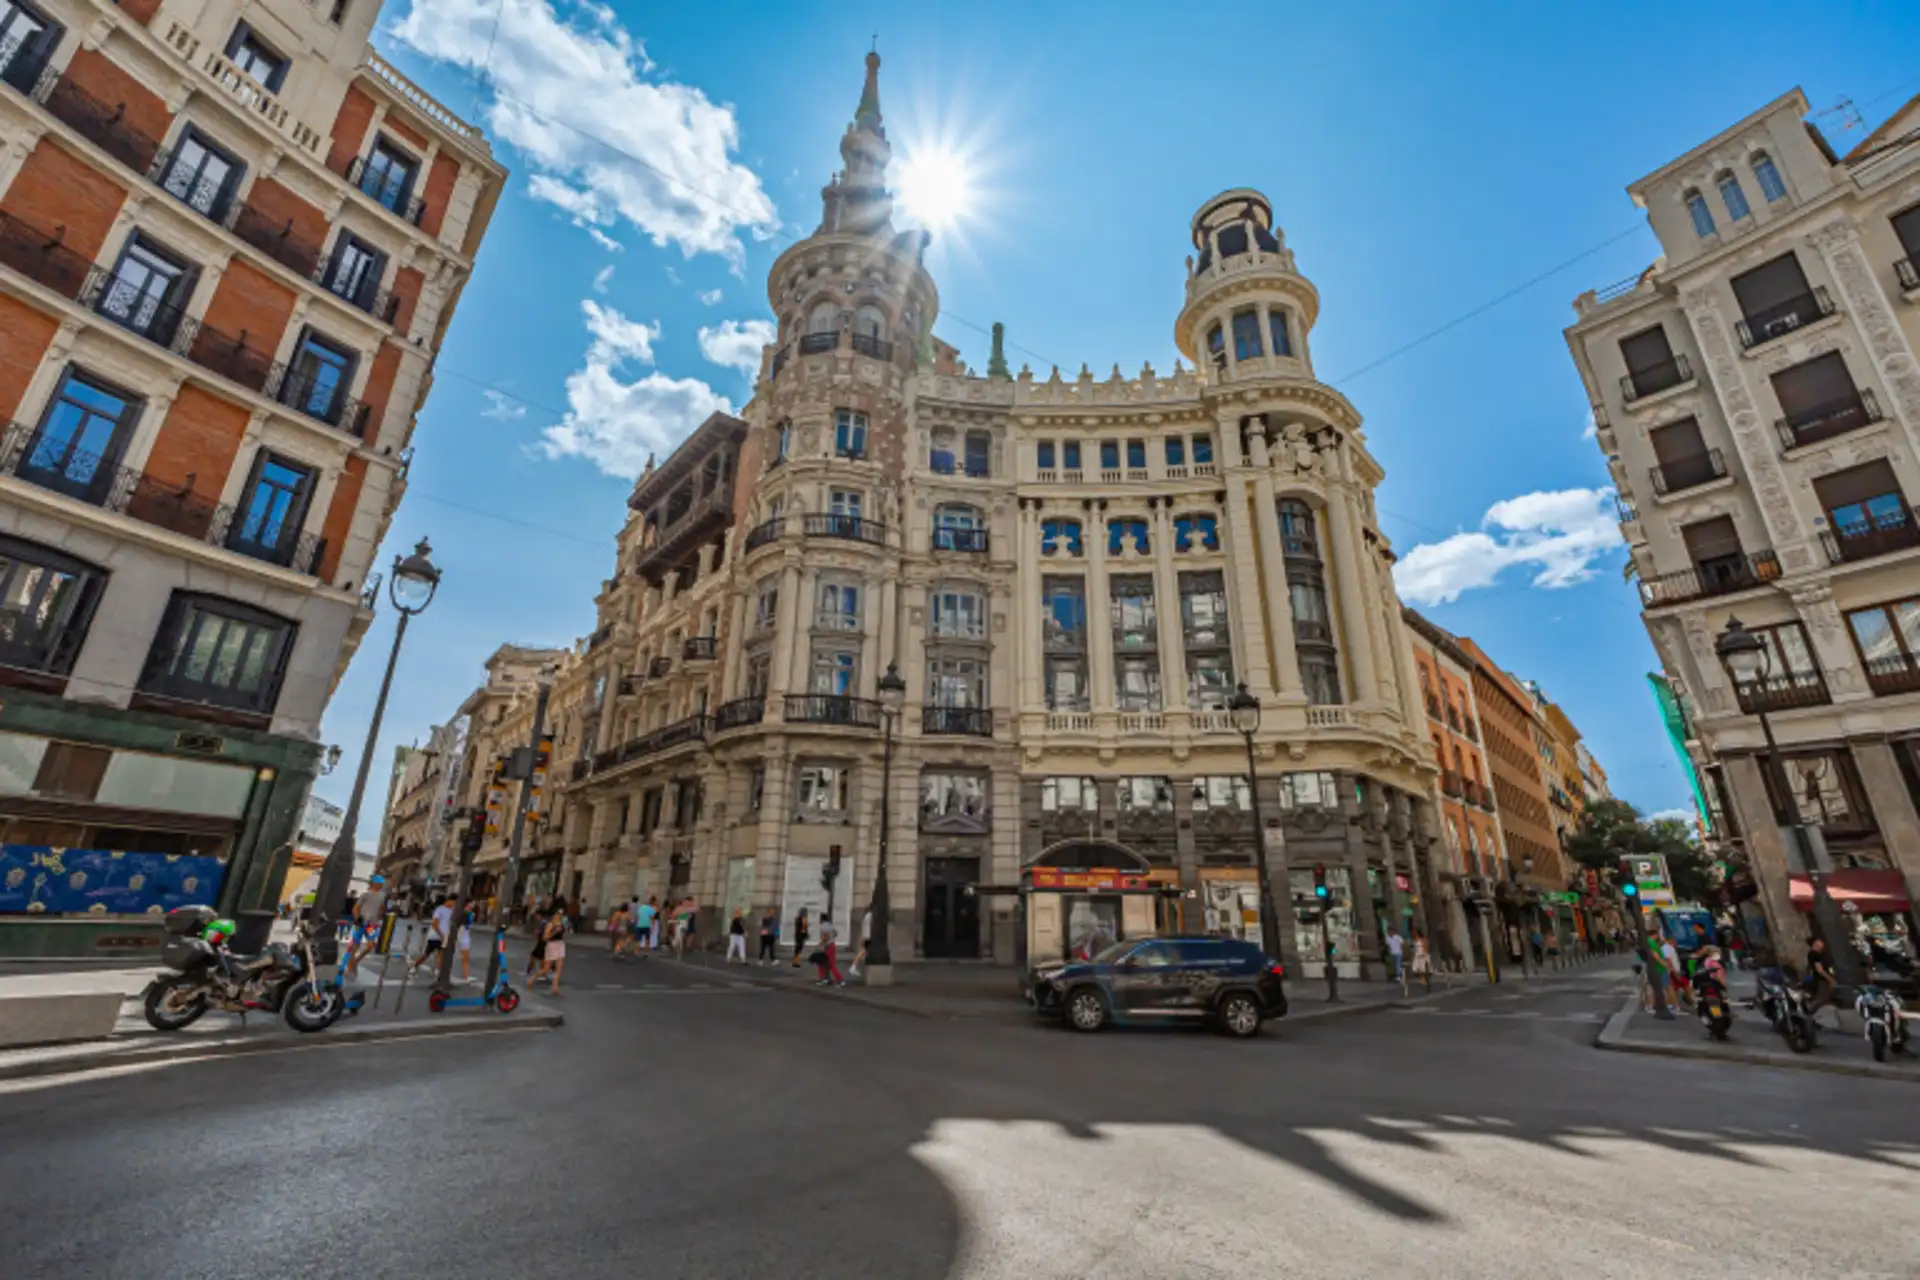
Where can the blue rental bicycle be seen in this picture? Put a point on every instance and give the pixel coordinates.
(500, 996)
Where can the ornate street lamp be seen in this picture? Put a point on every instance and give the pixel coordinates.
(411, 587)
(1749, 663)
(1244, 708)
(893, 695)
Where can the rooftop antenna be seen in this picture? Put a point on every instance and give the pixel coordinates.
(1849, 114)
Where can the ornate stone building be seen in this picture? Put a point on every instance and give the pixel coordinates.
(231, 241)
(1757, 396)
(1071, 575)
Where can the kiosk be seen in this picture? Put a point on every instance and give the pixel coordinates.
(1079, 896)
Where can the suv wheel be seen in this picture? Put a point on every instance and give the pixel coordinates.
(1086, 1010)
(1239, 1015)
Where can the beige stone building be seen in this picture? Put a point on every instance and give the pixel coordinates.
(231, 241)
(1071, 575)
(1756, 394)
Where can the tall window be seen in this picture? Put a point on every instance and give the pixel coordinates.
(1701, 215)
(821, 789)
(1135, 625)
(979, 447)
(839, 607)
(1246, 335)
(1043, 455)
(272, 509)
(256, 58)
(1209, 653)
(1070, 455)
(26, 37)
(835, 672)
(959, 613)
(958, 528)
(1137, 683)
(1060, 535)
(759, 673)
(1120, 532)
(1217, 347)
(766, 608)
(956, 682)
(845, 503)
(200, 174)
(1137, 454)
(1063, 624)
(355, 271)
(1297, 535)
(388, 176)
(849, 433)
(1733, 196)
(80, 438)
(317, 378)
(1176, 451)
(46, 604)
(1109, 455)
(1202, 450)
(1889, 638)
(1771, 187)
(147, 290)
(220, 652)
(1277, 325)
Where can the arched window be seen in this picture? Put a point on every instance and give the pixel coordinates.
(1120, 531)
(1246, 335)
(1060, 535)
(870, 322)
(1771, 187)
(1297, 530)
(1191, 528)
(825, 318)
(1701, 215)
(1217, 347)
(1735, 198)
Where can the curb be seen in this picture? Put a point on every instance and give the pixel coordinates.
(1613, 1037)
(95, 1059)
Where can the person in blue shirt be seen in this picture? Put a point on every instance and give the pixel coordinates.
(643, 935)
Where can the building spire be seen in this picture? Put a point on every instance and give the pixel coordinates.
(857, 199)
(868, 114)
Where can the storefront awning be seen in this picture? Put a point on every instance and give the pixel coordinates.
(1871, 889)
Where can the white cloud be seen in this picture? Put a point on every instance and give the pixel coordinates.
(606, 241)
(502, 407)
(615, 421)
(1565, 533)
(605, 143)
(1592, 429)
(737, 343)
(602, 278)
(1687, 816)
(711, 298)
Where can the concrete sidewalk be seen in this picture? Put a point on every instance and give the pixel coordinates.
(133, 1041)
(1752, 1042)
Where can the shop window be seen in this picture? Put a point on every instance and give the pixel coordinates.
(220, 652)
(47, 601)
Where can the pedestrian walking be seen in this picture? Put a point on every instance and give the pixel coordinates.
(439, 931)
(466, 946)
(769, 936)
(827, 958)
(1821, 981)
(737, 936)
(617, 930)
(536, 921)
(1396, 948)
(555, 958)
(646, 927)
(1654, 978)
(367, 914)
(866, 935)
(1422, 961)
(799, 936)
(685, 923)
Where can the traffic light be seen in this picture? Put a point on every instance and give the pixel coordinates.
(830, 872)
(1320, 881)
(476, 832)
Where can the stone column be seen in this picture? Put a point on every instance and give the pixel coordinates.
(1893, 807)
(1244, 586)
(1166, 591)
(1351, 604)
(1099, 610)
(786, 635)
(1279, 601)
(734, 672)
(1768, 853)
(1874, 319)
(1026, 607)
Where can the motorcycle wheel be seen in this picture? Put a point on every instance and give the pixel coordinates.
(310, 1008)
(1800, 1037)
(1877, 1038)
(174, 1003)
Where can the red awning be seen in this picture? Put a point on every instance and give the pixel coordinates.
(1870, 890)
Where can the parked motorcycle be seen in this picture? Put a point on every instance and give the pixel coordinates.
(1711, 1004)
(207, 974)
(1886, 1021)
(1785, 1006)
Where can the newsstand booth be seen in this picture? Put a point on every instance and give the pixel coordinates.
(1080, 896)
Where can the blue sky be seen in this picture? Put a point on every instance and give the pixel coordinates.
(1422, 163)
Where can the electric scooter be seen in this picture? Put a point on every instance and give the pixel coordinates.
(500, 996)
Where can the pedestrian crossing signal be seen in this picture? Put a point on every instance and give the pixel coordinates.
(1629, 890)
(1320, 881)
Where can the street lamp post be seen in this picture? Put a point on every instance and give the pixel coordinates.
(893, 695)
(543, 682)
(1529, 922)
(1245, 710)
(410, 587)
(1747, 660)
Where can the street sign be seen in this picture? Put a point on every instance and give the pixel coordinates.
(1648, 874)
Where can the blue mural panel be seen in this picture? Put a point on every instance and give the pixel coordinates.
(38, 879)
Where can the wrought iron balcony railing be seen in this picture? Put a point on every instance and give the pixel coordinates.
(853, 528)
(833, 709)
(1714, 577)
(1783, 318)
(1876, 536)
(1672, 372)
(739, 713)
(973, 721)
(1687, 473)
(1822, 422)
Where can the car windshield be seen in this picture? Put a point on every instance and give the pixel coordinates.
(1112, 952)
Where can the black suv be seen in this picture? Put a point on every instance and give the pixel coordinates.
(1204, 979)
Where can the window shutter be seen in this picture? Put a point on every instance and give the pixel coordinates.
(1819, 383)
(1648, 349)
(1677, 441)
(1856, 484)
(1711, 539)
(1770, 284)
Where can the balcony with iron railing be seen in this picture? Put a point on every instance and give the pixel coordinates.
(138, 312)
(41, 257)
(739, 713)
(1450, 784)
(104, 124)
(813, 344)
(1716, 577)
(699, 649)
(764, 532)
(1687, 473)
(1907, 271)
(1475, 793)
(660, 667)
(691, 729)
(275, 238)
(366, 295)
(1877, 535)
(88, 477)
(971, 721)
(851, 528)
(868, 344)
(1783, 693)
(965, 541)
(832, 709)
(322, 399)
(1836, 417)
(1781, 319)
(1672, 372)
(1898, 673)
(394, 194)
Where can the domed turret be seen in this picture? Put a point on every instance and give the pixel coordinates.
(1248, 311)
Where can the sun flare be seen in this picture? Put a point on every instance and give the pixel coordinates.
(936, 189)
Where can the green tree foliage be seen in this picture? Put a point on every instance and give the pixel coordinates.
(1610, 830)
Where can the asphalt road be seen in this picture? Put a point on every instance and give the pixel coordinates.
(672, 1129)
